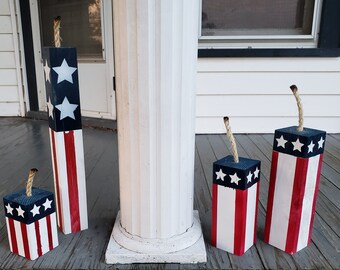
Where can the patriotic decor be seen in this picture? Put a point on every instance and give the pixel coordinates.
(294, 180)
(63, 102)
(234, 204)
(31, 223)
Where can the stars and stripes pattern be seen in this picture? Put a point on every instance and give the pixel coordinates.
(235, 196)
(293, 188)
(31, 223)
(66, 139)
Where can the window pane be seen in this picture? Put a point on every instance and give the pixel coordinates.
(257, 17)
(80, 25)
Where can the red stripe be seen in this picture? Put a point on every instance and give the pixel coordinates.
(214, 215)
(25, 240)
(37, 235)
(315, 198)
(296, 204)
(13, 236)
(273, 170)
(72, 181)
(49, 232)
(56, 177)
(240, 221)
(256, 208)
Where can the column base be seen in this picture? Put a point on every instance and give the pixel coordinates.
(116, 253)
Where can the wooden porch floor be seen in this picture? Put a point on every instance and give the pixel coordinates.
(24, 144)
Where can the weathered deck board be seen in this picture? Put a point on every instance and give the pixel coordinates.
(24, 144)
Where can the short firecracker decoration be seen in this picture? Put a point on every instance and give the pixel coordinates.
(31, 221)
(294, 180)
(235, 196)
(66, 138)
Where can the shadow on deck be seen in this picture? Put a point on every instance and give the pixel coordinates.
(24, 144)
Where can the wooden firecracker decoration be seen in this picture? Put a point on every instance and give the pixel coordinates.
(66, 138)
(235, 196)
(294, 180)
(31, 221)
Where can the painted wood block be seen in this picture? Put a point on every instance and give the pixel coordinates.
(66, 139)
(235, 203)
(31, 223)
(293, 188)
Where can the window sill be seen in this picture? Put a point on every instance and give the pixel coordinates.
(315, 52)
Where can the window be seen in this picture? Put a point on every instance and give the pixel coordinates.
(81, 25)
(260, 23)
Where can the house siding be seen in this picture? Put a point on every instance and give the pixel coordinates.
(10, 74)
(255, 93)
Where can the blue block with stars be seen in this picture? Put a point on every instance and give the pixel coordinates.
(62, 88)
(293, 187)
(241, 175)
(31, 222)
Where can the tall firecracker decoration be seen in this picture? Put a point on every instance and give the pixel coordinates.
(31, 221)
(235, 196)
(66, 138)
(293, 188)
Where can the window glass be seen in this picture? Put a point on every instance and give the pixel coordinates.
(257, 17)
(80, 25)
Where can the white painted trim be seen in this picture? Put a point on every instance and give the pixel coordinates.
(17, 58)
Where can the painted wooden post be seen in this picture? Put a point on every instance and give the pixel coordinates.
(31, 221)
(156, 56)
(235, 196)
(66, 137)
(293, 188)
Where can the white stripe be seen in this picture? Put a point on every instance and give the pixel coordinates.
(32, 241)
(282, 199)
(54, 173)
(79, 149)
(9, 232)
(307, 203)
(225, 218)
(54, 230)
(63, 184)
(250, 218)
(43, 235)
(18, 236)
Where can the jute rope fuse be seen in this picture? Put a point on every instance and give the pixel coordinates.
(29, 183)
(231, 139)
(56, 28)
(299, 104)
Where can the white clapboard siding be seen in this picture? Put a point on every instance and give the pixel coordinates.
(10, 77)
(5, 24)
(255, 93)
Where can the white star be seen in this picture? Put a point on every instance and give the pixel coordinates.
(256, 173)
(249, 176)
(220, 175)
(64, 72)
(50, 108)
(297, 145)
(35, 210)
(281, 142)
(47, 71)
(9, 209)
(320, 143)
(66, 109)
(47, 204)
(310, 147)
(20, 211)
(234, 179)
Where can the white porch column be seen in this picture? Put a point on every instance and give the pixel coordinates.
(155, 64)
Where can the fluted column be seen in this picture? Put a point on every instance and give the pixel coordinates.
(155, 64)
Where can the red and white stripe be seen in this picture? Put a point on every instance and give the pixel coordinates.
(69, 179)
(234, 218)
(32, 240)
(292, 198)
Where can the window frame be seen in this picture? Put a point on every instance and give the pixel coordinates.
(327, 43)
